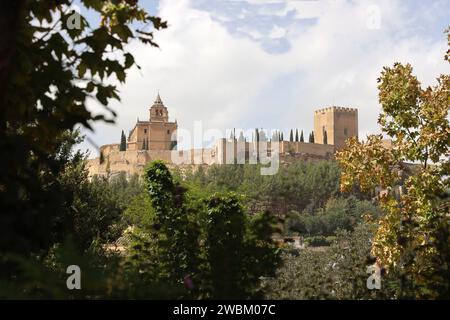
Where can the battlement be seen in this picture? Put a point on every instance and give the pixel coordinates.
(334, 125)
(335, 108)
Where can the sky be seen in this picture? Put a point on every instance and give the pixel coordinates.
(270, 63)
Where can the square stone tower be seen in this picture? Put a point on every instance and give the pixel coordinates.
(334, 125)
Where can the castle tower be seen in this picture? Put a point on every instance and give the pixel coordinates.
(334, 125)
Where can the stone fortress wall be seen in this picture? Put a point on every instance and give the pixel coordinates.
(153, 140)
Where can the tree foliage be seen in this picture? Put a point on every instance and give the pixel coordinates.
(413, 236)
(48, 73)
(338, 214)
(177, 232)
(238, 251)
(123, 142)
(209, 243)
(339, 272)
(298, 186)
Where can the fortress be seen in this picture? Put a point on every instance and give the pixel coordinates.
(156, 139)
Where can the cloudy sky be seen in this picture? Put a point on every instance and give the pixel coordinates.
(271, 63)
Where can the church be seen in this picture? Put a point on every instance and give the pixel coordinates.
(156, 133)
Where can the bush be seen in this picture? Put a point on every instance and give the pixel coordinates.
(319, 241)
(338, 213)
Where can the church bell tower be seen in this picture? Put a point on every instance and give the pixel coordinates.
(158, 112)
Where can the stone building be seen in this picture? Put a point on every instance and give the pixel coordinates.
(157, 133)
(155, 139)
(337, 124)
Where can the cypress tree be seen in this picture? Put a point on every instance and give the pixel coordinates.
(296, 135)
(291, 136)
(312, 137)
(325, 138)
(123, 142)
(301, 137)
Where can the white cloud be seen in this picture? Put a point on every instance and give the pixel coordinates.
(254, 34)
(277, 32)
(205, 73)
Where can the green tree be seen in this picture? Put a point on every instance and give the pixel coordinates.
(296, 135)
(256, 135)
(337, 273)
(291, 136)
(177, 232)
(413, 237)
(339, 213)
(123, 142)
(325, 137)
(49, 69)
(225, 247)
(48, 72)
(237, 255)
(301, 137)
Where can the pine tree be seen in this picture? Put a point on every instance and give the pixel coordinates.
(296, 135)
(301, 137)
(123, 142)
(291, 136)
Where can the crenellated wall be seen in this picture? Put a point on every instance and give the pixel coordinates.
(339, 123)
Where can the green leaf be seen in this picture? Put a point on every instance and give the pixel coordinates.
(81, 69)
